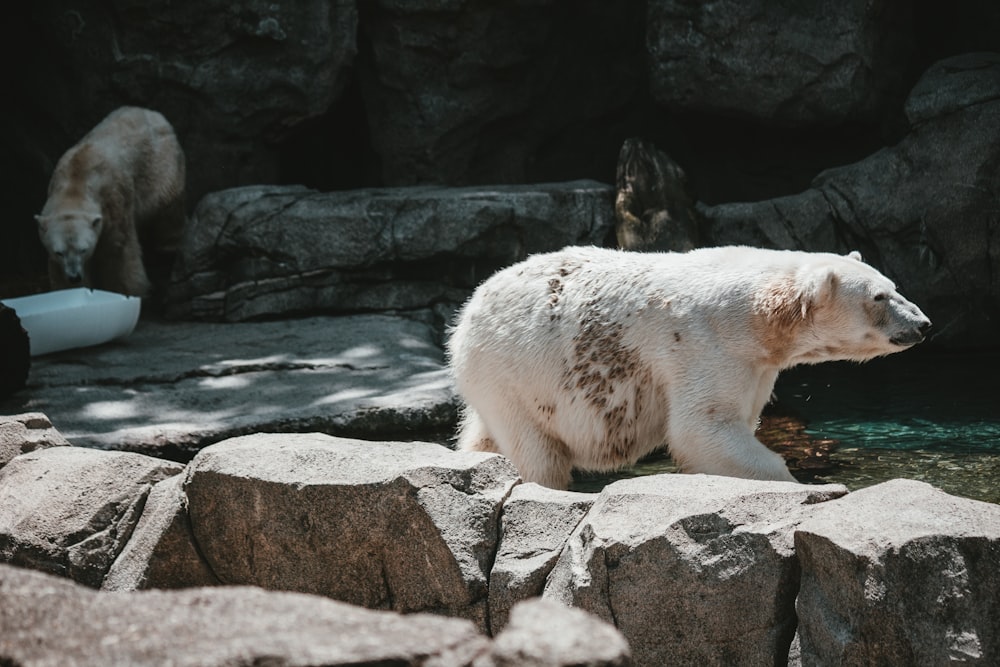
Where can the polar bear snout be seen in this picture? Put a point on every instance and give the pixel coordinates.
(910, 325)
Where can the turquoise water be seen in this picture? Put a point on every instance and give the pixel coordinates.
(925, 416)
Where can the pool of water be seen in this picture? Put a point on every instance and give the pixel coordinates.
(926, 416)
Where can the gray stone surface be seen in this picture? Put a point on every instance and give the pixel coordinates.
(534, 527)
(170, 388)
(692, 569)
(27, 432)
(269, 250)
(543, 633)
(900, 573)
(779, 62)
(402, 526)
(922, 211)
(70, 510)
(49, 621)
(161, 552)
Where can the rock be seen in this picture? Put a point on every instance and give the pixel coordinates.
(48, 621)
(534, 526)
(69, 510)
(23, 433)
(15, 352)
(542, 633)
(692, 569)
(922, 211)
(900, 573)
(161, 552)
(462, 93)
(171, 388)
(402, 526)
(269, 250)
(779, 63)
(233, 80)
(654, 207)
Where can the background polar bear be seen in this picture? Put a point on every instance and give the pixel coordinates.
(592, 358)
(117, 191)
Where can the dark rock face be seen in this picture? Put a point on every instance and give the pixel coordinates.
(466, 92)
(779, 62)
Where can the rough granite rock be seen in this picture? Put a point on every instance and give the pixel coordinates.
(402, 526)
(46, 620)
(161, 553)
(922, 211)
(171, 388)
(900, 573)
(271, 250)
(534, 526)
(542, 633)
(49, 621)
(70, 510)
(693, 569)
(779, 62)
(27, 432)
(462, 92)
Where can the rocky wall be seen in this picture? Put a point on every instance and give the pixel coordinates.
(688, 568)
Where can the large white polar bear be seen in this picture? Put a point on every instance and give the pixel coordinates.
(593, 358)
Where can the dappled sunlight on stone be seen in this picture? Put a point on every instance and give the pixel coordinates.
(111, 410)
(226, 382)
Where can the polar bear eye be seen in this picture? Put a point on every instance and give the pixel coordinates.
(881, 296)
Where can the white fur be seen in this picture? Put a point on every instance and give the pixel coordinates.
(592, 358)
(120, 185)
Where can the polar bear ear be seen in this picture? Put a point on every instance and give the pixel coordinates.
(855, 255)
(818, 290)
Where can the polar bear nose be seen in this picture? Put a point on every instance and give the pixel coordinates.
(924, 327)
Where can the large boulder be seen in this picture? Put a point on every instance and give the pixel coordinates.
(45, 620)
(534, 527)
(900, 573)
(779, 62)
(171, 388)
(692, 569)
(266, 251)
(472, 92)
(402, 526)
(23, 433)
(922, 211)
(70, 511)
(161, 552)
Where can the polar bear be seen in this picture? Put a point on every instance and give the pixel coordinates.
(592, 358)
(121, 188)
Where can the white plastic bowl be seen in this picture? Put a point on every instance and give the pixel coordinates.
(71, 318)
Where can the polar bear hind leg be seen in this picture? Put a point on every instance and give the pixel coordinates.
(538, 457)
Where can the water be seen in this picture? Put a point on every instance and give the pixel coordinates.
(930, 417)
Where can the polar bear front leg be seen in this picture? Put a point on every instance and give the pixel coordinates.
(725, 447)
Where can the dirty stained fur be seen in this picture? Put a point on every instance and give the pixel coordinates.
(591, 358)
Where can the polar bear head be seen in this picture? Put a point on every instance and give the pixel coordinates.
(838, 308)
(70, 238)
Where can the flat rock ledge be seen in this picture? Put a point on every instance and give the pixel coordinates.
(260, 251)
(688, 568)
(171, 388)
